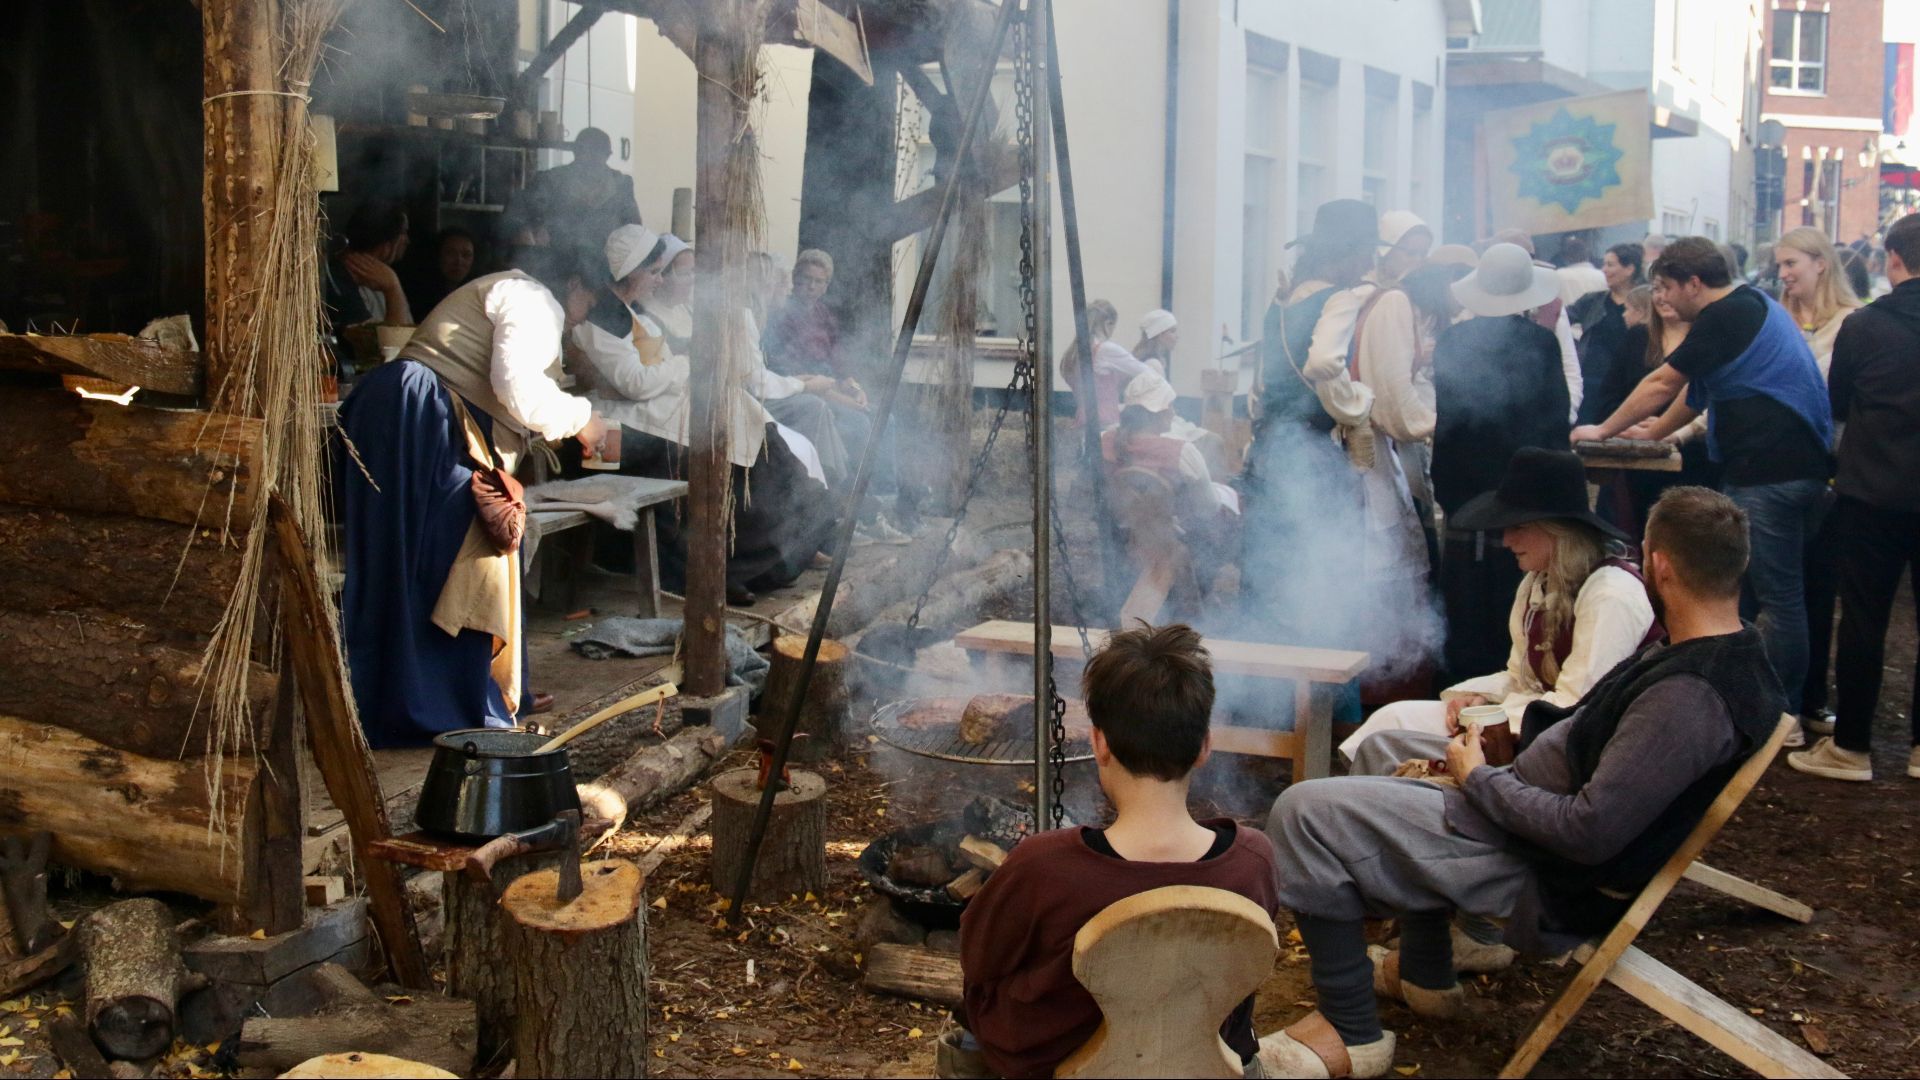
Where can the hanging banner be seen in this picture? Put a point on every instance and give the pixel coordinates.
(1576, 163)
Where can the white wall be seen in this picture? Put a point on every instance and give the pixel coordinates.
(592, 85)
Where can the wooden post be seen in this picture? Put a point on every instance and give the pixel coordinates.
(580, 973)
(793, 857)
(475, 939)
(135, 977)
(722, 122)
(241, 127)
(823, 710)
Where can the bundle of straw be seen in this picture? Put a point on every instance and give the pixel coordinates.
(276, 375)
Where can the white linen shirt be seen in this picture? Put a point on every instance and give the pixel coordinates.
(654, 399)
(1348, 402)
(527, 324)
(1611, 616)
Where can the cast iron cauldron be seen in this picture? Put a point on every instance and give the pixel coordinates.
(487, 782)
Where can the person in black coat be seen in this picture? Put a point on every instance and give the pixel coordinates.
(1497, 386)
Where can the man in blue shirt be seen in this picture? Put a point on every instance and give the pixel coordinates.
(1769, 425)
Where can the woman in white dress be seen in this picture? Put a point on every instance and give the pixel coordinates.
(1580, 609)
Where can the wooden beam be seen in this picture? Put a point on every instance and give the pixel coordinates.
(158, 573)
(1229, 657)
(122, 359)
(915, 213)
(143, 821)
(67, 453)
(340, 747)
(526, 85)
(241, 132)
(114, 681)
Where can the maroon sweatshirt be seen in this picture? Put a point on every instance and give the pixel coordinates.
(1016, 940)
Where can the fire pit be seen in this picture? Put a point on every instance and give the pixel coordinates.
(964, 848)
(935, 728)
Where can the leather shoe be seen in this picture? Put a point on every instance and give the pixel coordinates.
(738, 596)
(538, 702)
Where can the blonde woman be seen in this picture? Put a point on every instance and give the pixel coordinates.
(1579, 610)
(1814, 289)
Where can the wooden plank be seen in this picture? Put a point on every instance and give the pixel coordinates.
(263, 961)
(913, 971)
(122, 359)
(114, 680)
(340, 747)
(1641, 464)
(1732, 1031)
(1229, 657)
(1228, 739)
(68, 453)
(816, 24)
(157, 572)
(273, 897)
(1741, 889)
(141, 820)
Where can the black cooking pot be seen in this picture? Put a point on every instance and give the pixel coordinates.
(486, 782)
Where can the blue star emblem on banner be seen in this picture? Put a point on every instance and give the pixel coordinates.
(1566, 160)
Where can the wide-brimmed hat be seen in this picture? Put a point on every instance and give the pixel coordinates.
(1540, 485)
(1506, 282)
(1343, 223)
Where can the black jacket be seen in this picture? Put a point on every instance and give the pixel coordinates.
(1497, 386)
(1874, 385)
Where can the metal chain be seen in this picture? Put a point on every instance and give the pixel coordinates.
(1025, 369)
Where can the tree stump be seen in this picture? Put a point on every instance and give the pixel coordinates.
(823, 713)
(134, 977)
(579, 972)
(793, 859)
(475, 943)
(353, 1066)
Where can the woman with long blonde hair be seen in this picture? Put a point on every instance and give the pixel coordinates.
(1814, 289)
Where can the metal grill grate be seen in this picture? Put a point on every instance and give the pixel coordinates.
(943, 740)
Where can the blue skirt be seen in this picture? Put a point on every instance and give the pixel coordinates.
(407, 505)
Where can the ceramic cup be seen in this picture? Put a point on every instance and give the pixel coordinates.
(1496, 732)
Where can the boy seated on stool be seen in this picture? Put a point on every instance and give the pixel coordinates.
(1150, 694)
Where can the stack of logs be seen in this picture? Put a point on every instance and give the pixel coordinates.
(913, 967)
(113, 573)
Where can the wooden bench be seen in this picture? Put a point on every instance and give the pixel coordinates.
(565, 531)
(1309, 745)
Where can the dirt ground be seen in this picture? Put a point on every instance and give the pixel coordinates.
(1844, 985)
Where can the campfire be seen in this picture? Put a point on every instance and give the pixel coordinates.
(931, 870)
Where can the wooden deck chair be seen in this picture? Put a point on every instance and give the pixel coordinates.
(1615, 959)
(1167, 966)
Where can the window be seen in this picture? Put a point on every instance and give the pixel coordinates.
(1318, 119)
(1675, 223)
(1377, 144)
(1266, 108)
(1711, 230)
(1799, 61)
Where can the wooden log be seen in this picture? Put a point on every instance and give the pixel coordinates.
(159, 573)
(135, 977)
(982, 854)
(793, 857)
(963, 887)
(663, 770)
(580, 973)
(65, 452)
(959, 597)
(141, 820)
(19, 976)
(241, 122)
(272, 897)
(340, 746)
(122, 359)
(475, 943)
(823, 713)
(121, 683)
(428, 1028)
(354, 1066)
(914, 972)
(898, 574)
(69, 1039)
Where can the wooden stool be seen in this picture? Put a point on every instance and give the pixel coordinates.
(1167, 966)
(579, 972)
(354, 1066)
(793, 858)
(823, 714)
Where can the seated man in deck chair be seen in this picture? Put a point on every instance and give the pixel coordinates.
(1149, 694)
(1557, 844)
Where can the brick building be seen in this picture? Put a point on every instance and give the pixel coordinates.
(1825, 70)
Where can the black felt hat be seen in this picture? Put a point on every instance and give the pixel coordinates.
(1343, 223)
(1539, 485)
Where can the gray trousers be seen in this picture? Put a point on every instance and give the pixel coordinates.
(1354, 847)
(813, 417)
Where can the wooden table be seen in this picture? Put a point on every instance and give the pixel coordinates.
(566, 530)
(1309, 745)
